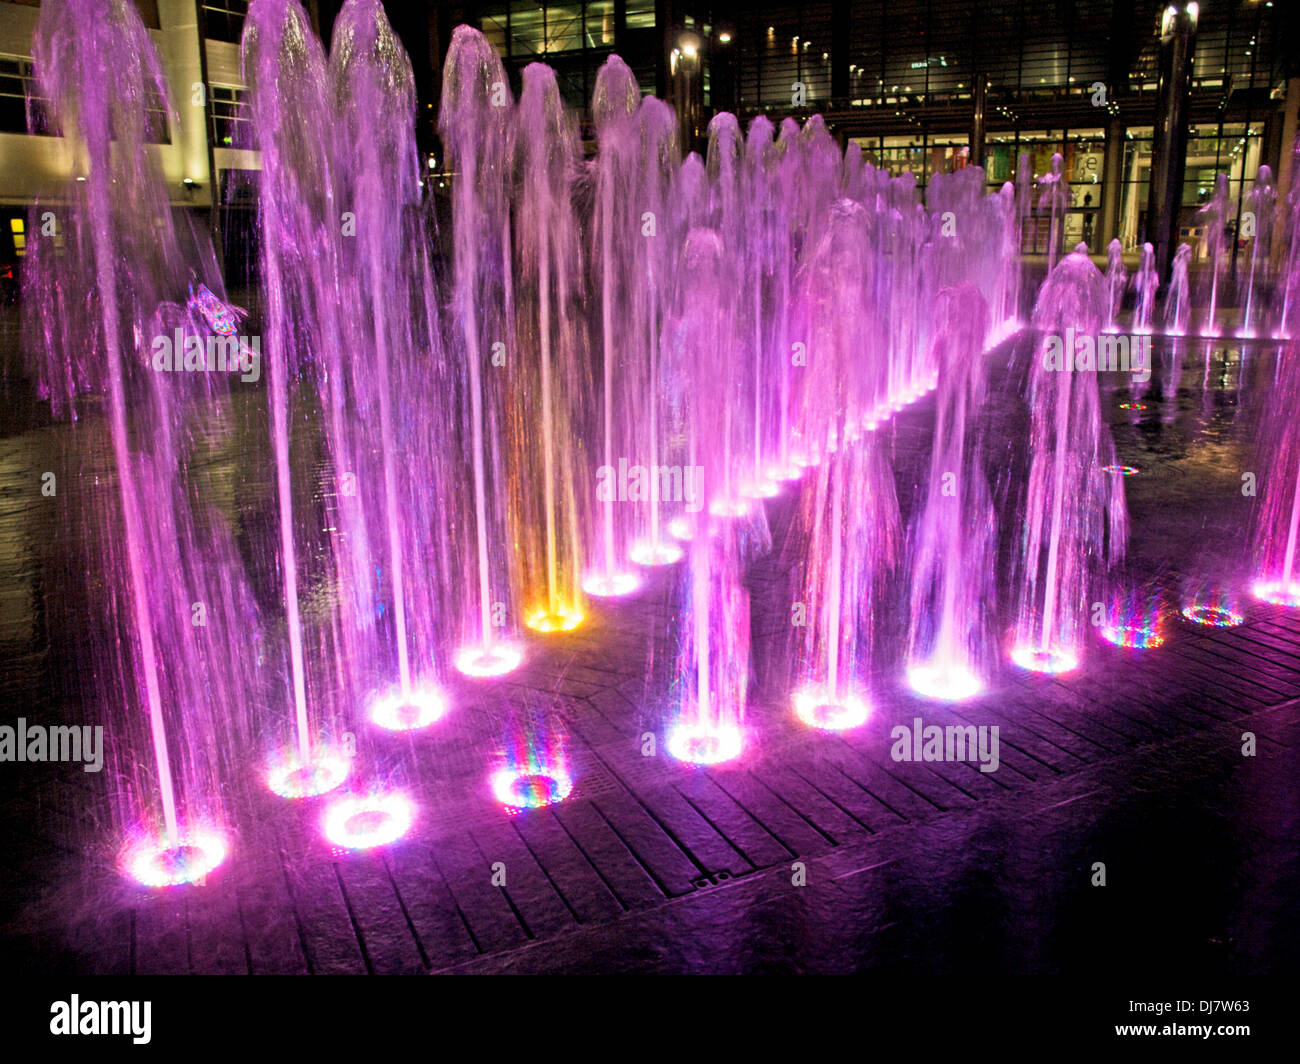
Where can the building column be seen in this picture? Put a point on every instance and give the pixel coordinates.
(1169, 147)
(1112, 191)
(979, 94)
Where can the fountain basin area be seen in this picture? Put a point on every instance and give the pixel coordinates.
(652, 864)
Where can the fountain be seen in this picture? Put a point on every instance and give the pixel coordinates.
(954, 541)
(1075, 518)
(475, 123)
(1146, 282)
(1116, 281)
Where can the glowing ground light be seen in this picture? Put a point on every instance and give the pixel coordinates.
(1120, 470)
(817, 709)
(610, 585)
(521, 789)
(1212, 616)
(486, 661)
(1277, 592)
(647, 553)
(415, 709)
(783, 472)
(764, 490)
(1133, 636)
(682, 528)
(1041, 659)
(561, 619)
(702, 744)
(156, 864)
(360, 823)
(949, 683)
(290, 778)
(729, 507)
(1132, 406)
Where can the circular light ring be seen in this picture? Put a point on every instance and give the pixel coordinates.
(946, 683)
(702, 744)
(522, 789)
(561, 619)
(1212, 616)
(485, 662)
(1277, 592)
(156, 863)
(394, 710)
(1051, 661)
(1132, 636)
(610, 585)
(290, 778)
(817, 709)
(361, 823)
(648, 553)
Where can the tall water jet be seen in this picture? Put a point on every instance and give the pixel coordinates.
(713, 657)
(655, 257)
(284, 67)
(614, 105)
(1215, 213)
(1261, 203)
(1146, 282)
(1116, 282)
(379, 181)
(1075, 517)
(553, 383)
(1178, 300)
(1276, 533)
(121, 306)
(1054, 201)
(849, 518)
(955, 538)
(475, 125)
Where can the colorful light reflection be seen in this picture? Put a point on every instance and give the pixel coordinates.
(396, 710)
(484, 662)
(524, 789)
(1053, 661)
(1136, 636)
(947, 683)
(1121, 470)
(1133, 622)
(289, 777)
(705, 744)
(1217, 614)
(361, 823)
(156, 863)
(818, 709)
